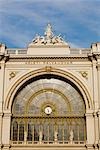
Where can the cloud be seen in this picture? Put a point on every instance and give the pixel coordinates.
(78, 21)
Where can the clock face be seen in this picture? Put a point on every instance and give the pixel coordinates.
(48, 110)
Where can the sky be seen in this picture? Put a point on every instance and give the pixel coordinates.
(78, 21)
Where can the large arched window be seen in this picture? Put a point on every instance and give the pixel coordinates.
(48, 109)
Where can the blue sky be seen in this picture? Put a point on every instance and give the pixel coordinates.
(78, 21)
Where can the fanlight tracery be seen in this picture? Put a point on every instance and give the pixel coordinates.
(48, 110)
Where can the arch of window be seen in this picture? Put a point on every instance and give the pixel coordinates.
(66, 122)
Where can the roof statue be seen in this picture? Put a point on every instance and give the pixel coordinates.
(48, 33)
(49, 38)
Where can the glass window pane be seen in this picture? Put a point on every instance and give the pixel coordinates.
(36, 132)
(15, 131)
(21, 132)
(30, 131)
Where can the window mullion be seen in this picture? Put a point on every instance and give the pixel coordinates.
(78, 133)
(33, 132)
(12, 131)
(18, 132)
(63, 132)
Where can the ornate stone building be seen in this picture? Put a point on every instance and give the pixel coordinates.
(50, 96)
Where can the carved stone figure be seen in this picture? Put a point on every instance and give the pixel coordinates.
(40, 136)
(71, 136)
(36, 39)
(25, 136)
(59, 39)
(48, 38)
(56, 136)
(48, 32)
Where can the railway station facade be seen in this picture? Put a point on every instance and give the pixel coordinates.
(50, 95)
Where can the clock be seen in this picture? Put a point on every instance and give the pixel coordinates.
(48, 110)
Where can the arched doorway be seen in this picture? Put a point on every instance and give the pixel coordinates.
(48, 109)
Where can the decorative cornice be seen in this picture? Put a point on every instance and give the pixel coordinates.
(48, 46)
(4, 56)
(48, 57)
(1, 56)
(94, 56)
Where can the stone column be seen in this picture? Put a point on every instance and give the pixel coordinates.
(96, 100)
(90, 130)
(96, 130)
(1, 130)
(99, 81)
(95, 84)
(55, 134)
(6, 131)
(2, 70)
(25, 137)
(99, 102)
(99, 128)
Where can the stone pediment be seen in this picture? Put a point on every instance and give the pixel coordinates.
(48, 39)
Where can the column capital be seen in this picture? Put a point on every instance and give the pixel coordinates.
(95, 146)
(7, 114)
(90, 57)
(99, 144)
(95, 114)
(1, 145)
(89, 113)
(98, 113)
(6, 146)
(1, 114)
(89, 146)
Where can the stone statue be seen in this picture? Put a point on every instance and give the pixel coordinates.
(25, 136)
(59, 39)
(42, 39)
(48, 38)
(56, 136)
(36, 39)
(71, 136)
(48, 32)
(40, 136)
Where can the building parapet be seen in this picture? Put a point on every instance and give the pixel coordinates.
(72, 51)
